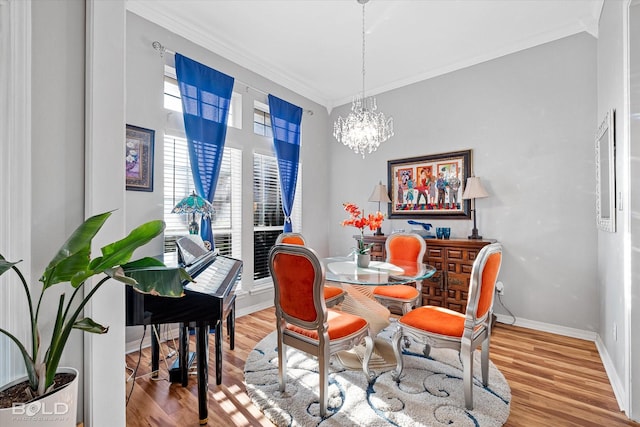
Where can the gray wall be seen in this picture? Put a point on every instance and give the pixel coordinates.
(145, 79)
(529, 119)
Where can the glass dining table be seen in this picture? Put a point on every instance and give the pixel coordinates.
(359, 282)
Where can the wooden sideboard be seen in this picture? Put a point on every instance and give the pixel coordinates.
(453, 259)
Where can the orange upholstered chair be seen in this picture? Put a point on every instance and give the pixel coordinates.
(441, 327)
(291, 238)
(402, 248)
(333, 295)
(303, 320)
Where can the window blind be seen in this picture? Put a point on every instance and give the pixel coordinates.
(178, 183)
(268, 218)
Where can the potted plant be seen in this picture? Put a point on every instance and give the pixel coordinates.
(73, 264)
(359, 220)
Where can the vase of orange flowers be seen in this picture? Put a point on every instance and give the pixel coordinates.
(358, 219)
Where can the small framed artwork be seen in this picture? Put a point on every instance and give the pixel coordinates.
(429, 186)
(139, 158)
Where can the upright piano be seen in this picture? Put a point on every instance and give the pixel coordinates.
(205, 304)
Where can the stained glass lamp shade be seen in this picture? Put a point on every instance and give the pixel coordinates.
(194, 204)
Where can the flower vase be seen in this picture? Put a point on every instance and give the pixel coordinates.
(363, 260)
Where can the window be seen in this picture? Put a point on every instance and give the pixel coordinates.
(268, 218)
(178, 183)
(267, 206)
(173, 102)
(261, 120)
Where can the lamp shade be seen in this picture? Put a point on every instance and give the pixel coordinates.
(380, 194)
(193, 204)
(474, 189)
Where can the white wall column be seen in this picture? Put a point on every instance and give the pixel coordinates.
(104, 191)
(632, 243)
(15, 173)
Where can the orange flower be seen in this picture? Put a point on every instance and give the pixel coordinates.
(359, 220)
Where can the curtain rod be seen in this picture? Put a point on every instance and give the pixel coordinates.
(162, 49)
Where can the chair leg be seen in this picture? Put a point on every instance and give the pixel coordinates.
(282, 362)
(323, 367)
(484, 361)
(406, 307)
(397, 336)
(466, 355)
(367, 357)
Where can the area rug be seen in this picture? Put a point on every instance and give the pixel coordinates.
(430, 392)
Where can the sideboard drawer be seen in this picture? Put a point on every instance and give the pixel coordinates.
(377, 252)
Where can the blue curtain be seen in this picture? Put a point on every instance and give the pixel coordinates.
(206, 97)
(285, 123)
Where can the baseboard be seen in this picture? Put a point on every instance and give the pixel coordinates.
(258, 298)
(616, 384)
(171, 333)
(254, 308)
(548, 327)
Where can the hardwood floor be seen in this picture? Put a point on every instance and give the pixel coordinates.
(555, 381)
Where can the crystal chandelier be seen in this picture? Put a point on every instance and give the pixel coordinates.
(363, 129)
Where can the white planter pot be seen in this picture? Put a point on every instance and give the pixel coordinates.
(56, 409)
(363, 260)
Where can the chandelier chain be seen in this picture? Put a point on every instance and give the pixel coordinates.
(363, 47)
(364, 128)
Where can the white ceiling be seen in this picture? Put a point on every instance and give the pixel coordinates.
(314, 47)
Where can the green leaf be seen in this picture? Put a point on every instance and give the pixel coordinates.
(6, 265)
(73, 256)
(28, 361)
(88, 325)
(118, 274)
(120, 252)
(163, 281)
(71, 267)
(143, 263)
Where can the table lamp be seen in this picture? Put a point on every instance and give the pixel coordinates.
(474, 190)
(194, 204)
(379, 195)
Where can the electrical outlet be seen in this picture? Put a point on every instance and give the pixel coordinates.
(500, 288)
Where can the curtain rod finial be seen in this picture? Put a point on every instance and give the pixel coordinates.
(158, 46)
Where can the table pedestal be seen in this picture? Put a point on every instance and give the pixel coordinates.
(359, 300)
